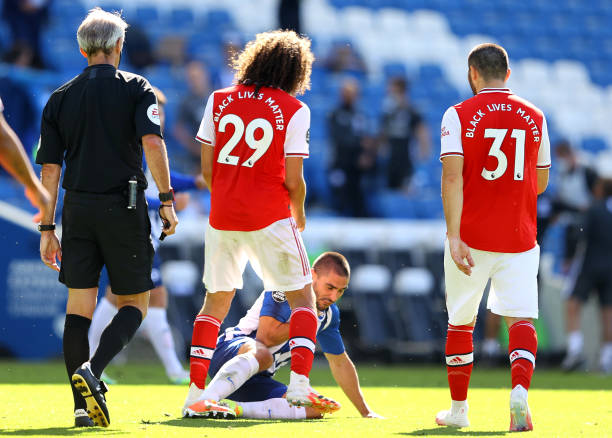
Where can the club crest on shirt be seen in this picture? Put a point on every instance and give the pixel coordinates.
(279, 296)
(444, 132)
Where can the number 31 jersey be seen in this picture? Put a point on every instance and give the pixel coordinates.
(503, 139)
(251, 135)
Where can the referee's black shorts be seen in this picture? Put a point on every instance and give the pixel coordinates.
(597, 280)
(99, 229)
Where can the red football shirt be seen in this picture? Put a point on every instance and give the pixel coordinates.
(252, 135)
(503, 139)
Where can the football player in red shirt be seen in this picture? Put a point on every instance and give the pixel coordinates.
(495, 162)
(254, 138)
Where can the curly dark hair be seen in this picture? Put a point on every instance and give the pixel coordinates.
(278, 59)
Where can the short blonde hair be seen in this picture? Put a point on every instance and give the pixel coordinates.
(100, 30)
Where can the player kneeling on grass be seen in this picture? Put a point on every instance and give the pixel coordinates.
(248, 355)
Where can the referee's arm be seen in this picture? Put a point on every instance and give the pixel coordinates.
(157, 159)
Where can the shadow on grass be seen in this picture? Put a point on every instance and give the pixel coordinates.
(451, 431)
(225, 424)
(63, 431)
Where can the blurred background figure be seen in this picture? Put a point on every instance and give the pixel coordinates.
(26, 19)
(190, 111)
(347, 130)
(344, 58)
(593, 275)
(402, 129)
(573, 195)
(289, 15)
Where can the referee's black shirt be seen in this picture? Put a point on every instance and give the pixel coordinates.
(95, 122)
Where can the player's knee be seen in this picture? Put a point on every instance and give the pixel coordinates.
(265, 358)
(217, 304)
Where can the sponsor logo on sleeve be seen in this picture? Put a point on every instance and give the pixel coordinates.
(153, 113)
(444, 132)
(308, 136)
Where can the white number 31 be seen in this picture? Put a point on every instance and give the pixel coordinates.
(260, 146)
(502, 161)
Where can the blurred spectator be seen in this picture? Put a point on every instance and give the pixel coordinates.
(352, 156)
(171, 50)
(343, 58)
(595, 275)
(191, 110)
(401, 125)
(26, 19)
(20, 111)
(574, 182)
(138, 48)
(289, 15)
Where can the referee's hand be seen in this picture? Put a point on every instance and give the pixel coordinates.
(169, 215)
(50, 249)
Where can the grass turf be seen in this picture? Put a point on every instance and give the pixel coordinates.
(35, 401)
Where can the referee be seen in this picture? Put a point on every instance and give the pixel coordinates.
(99, 123)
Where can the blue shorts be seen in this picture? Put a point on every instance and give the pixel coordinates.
(156, 277)
(259, 387)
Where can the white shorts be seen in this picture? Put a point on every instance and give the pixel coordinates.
(514, 285)
(276, 253)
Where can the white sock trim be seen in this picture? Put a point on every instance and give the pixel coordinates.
(522, 354)
(298, 342)
(458, 360)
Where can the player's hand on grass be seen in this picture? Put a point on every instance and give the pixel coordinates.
(300, 219)
(461, 255)
(50, 249)
(167, 213)
(372, 414)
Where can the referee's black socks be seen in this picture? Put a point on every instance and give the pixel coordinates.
(76, 350)
(115, 337)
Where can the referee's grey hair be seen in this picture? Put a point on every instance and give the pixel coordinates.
(100, 30)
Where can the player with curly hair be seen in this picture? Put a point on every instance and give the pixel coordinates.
(254, 138)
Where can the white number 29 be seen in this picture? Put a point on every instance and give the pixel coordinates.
(498, 136)
(260, 146)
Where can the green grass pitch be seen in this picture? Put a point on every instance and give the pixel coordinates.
(35, 401)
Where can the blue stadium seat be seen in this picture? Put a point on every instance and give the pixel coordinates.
(147, 16)
(594, 144)
(181, 18)
(392, 204)
(219, 20)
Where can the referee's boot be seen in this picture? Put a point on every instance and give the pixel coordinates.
(93, 391)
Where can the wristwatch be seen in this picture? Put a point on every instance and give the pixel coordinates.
(168, 196)
(48, 227)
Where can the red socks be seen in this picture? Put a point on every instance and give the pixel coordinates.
(203, 343)
(302, 337)
(522, 346)
(459, 359)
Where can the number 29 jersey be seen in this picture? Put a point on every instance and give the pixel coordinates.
(251, 136)
(503, 139)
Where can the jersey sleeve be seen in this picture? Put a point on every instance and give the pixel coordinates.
(450, 134)
(275, 308)
(298, 134)
(50, 147)
(146, 116)
(206, 133)
(330, 339)
(544, 151)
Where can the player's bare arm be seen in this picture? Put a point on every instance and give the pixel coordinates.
(542, 175)
(345, 375)
(14, 159)
(50, 249)
(272, 332)
(208, 156)
(157, 159)
(452, 199)
(294, 181)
